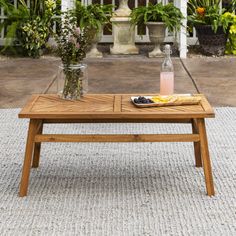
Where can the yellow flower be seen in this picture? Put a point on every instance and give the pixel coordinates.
(201, 11)
(233, 29)
(228, 14)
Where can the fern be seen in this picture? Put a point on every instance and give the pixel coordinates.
(169, 14)
(94, 16)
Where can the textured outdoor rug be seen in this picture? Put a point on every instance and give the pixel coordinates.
(148, 189)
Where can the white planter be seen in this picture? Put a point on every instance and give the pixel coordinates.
(123, 9)
(157, 36)
(123, 31)
(93, 52)
(123, 37)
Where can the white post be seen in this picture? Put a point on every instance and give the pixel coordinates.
(67, 4)
(183, 31)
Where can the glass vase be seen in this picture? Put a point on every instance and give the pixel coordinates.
(72, 81)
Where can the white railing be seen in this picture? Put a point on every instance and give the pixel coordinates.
(169, 36)
(138, 39)
(108, 38)
(2, 17)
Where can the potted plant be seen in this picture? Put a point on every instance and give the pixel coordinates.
(231, 44)
(94, 17)
(157, 17)
(211, 27)
(28, 27)
(72, 46)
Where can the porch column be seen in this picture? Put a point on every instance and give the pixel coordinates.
(67, 4)
(182, 4)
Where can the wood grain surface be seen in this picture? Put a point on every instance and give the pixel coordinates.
(112, 108)
(108, 106)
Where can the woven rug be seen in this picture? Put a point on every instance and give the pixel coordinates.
(148, 189)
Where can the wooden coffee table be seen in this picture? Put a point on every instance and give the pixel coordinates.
(48, 109)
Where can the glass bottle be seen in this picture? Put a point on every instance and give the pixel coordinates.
(167, 73)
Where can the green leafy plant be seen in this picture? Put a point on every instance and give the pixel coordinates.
(28, 26)
(231, 44)
(207, 12)
(94, 16)
(169, 14)
(34, 34)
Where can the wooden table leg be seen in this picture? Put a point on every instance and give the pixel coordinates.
(33, 126)
(205, 157)
(197, 147)
(37, 148)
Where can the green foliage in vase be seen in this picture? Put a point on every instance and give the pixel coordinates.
(28, 26)
(73, 82)
(231, 44)
(169, 14)
(207, 12)
(93, 16)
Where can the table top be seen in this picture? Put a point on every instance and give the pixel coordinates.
(108, 106)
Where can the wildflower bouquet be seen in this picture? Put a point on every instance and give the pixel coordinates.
(72, 46)
(72, 41)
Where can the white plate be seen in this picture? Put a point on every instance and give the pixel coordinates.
(172, 102)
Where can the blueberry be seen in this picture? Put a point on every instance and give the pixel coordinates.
(149, 101)
(143, 100)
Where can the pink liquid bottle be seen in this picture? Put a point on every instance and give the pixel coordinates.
(167, 73)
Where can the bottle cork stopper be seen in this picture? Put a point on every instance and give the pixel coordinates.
(167, 49)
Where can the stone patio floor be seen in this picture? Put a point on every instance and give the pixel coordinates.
(215, 77)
